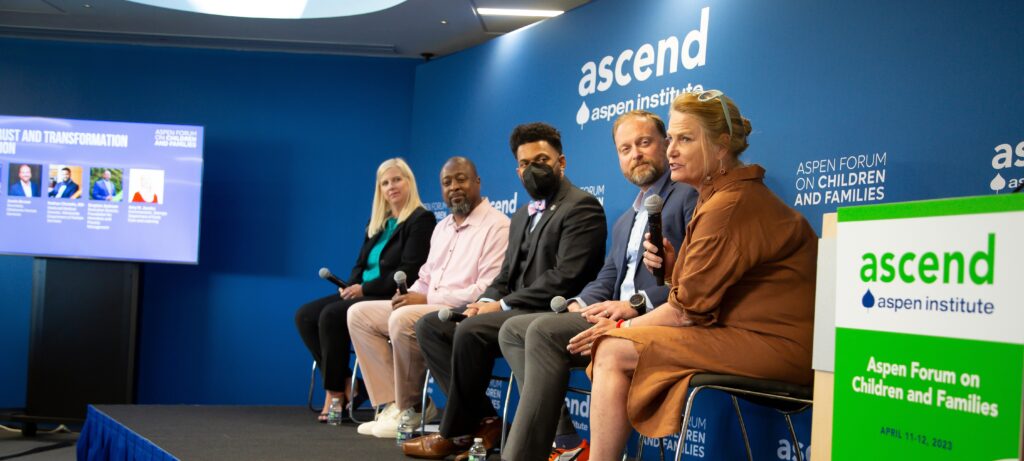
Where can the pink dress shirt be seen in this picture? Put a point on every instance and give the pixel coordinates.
(464, 259)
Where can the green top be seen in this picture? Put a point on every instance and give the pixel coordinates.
(372, 270)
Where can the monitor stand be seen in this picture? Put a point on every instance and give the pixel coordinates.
(82, 338)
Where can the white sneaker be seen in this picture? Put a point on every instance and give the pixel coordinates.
(388, 429)
(387, 413)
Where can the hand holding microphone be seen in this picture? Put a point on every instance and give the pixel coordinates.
(326, 274)
(404, 297)
(403, 288)
(653, 205)
(345, 290)
(447, 315)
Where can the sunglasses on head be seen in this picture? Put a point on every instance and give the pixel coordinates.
(716, 94)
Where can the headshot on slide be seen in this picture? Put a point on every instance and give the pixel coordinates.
(24, 180)
(65, 181)
(146, 186)
(106, 184)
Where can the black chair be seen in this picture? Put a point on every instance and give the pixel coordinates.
(786, 398)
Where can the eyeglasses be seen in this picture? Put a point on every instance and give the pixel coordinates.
(716, 94)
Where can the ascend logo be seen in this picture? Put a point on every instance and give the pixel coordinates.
(1007, 156)
(646, 61)
(929, 267)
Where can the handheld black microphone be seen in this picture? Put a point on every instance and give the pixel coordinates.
(558, 304)
(328, 276)
(400, 280)
(653, 204)
(446, 315)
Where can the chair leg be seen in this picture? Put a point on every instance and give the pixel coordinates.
(796, 443)
(312, 384)
(423, 405)
(743, 427)
(355, 390)
(504, 409)
(686, 422)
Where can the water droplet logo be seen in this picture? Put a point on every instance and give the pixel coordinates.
(868, 300)
(583, 115)
(998, 183)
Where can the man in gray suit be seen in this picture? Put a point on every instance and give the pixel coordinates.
(555, 244)
(535, 344)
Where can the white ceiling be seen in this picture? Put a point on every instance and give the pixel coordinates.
(407, 30)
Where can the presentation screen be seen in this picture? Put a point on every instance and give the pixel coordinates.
(100, 190)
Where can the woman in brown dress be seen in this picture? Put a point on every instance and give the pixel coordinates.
(742, 299)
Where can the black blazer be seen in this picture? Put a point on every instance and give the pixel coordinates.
(565, 253)
(406, 251)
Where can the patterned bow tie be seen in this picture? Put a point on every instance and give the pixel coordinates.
(536, 206)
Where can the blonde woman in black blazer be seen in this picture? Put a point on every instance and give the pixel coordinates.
(397, 239)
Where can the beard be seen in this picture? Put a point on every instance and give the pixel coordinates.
(462, 208)
(644, 174)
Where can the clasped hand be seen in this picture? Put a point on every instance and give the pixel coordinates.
(482, 308)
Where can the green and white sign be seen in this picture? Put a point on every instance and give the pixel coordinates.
(930, 330)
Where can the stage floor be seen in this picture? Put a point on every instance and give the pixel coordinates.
(228, 433)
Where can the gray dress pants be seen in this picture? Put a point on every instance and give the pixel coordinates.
(534, 346)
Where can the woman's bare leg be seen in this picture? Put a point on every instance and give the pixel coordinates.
(614, 362)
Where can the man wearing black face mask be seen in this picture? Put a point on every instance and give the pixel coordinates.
(556, 246)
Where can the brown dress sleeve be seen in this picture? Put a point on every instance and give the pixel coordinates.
(713, 262)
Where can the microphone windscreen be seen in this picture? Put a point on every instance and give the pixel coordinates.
(444, 314)
(324, 273)
(558, 303)
(400, 277)
(653, 204)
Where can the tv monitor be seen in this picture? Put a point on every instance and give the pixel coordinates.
(100, 190)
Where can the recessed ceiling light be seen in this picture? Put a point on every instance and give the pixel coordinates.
(518, 12)
(443, 21)
(275, 9)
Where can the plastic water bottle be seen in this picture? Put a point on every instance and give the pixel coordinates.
(477, 452)
(334, 413)
(405, 430)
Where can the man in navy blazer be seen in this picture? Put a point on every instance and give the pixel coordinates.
(65, 188)
(104, 189)
(535, 344)
(25, 187)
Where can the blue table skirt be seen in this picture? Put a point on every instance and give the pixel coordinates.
(103, 438)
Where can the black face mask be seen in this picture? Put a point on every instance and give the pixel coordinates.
(540, 181)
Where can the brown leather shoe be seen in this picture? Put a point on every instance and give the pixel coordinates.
(489, 430)
(432, 446)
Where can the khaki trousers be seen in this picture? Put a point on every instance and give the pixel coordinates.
(392, 372)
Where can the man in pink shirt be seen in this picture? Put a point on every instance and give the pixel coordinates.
(466, 252)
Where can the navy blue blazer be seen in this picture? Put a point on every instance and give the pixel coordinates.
(69, 190)
(680, 199)
(16, 191)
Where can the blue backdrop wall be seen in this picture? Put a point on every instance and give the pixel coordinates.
(284, 136)
(851, 102)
